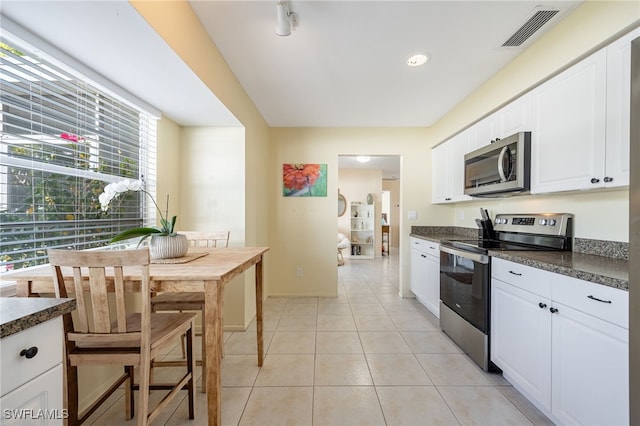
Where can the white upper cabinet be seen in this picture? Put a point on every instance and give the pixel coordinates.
(510, 119)
(447, 161)
(580, 138)
(618, 110)
(567, 141)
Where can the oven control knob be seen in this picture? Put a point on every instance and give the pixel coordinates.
(552, 222)
(543, 222)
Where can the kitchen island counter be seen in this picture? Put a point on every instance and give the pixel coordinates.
(20, 313)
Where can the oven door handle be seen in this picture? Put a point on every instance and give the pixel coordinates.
(476, 257)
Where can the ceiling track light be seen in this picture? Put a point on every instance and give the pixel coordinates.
(286, 19)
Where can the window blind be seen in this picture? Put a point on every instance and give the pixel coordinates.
(62, 139)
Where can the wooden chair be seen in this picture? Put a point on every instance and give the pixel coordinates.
(191, 301)
(105, 333)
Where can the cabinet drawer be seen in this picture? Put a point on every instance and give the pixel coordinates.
(525, 277)
(425, 246)
(607, 303)
(16, 369)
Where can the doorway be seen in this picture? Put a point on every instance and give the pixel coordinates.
(378, 175)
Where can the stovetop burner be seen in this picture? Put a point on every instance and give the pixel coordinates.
(521, 232)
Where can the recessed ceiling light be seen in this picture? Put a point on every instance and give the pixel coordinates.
(417, 60)
(363, 158)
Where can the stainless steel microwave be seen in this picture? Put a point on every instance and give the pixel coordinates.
(499, 169)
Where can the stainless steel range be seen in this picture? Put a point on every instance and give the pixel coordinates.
(465, 272)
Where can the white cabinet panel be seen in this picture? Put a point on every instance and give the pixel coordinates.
(521, 339)
(418, 270)
(618, 110)
(590, 370)
(569, 129)
(425, 273)
(37, 402)
(567, 352)
(447, 168)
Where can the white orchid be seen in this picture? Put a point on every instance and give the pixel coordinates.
(116, 188)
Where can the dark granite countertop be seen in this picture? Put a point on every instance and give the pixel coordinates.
(603, 270)
(20, 313)
(598, 269)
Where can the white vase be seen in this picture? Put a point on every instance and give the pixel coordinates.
(168, 246)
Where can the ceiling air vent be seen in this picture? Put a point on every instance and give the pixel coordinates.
(529, 28)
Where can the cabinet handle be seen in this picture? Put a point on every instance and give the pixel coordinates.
(542, 305)
(595, 180)
(423, 255)
(29, 353)
(515, 273)
(598, 300)
(608, 179)
(447, 199)
(553, 310)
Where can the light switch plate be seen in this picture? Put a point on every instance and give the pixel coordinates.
(413, 215)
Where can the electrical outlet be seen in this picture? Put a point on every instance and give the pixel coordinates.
(299, 271)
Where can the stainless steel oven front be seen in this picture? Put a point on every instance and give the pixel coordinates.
(464, 301)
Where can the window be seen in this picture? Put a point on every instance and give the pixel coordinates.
(62, 139)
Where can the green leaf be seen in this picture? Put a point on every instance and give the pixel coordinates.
(134, 233)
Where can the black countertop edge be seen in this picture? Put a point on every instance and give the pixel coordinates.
(20, 313)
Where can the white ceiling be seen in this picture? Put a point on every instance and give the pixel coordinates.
(345, 63)
(343, 66)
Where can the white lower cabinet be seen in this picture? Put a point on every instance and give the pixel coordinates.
(562, 342)
(32, 374)
(425, 273)
(520, 339)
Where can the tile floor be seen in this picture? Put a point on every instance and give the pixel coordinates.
(367, 357)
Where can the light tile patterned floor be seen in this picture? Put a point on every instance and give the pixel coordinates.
(367, 357)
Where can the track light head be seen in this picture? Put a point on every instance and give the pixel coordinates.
(285, 18)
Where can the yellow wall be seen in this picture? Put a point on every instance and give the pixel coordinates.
(176, 23)
(303, 230)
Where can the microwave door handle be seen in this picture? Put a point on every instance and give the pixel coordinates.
(500, 162)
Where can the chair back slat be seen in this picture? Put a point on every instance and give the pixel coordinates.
(121, 312)
(106, 296)
(207, 239)
(99, 300)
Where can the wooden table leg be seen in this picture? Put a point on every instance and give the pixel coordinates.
(259, 312)
(213, 317)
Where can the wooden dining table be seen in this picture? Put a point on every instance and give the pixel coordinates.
(205, 270)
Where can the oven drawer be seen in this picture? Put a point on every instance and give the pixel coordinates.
(525, 277)
(607, 303)
(425, 246)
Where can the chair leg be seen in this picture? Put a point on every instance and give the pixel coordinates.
(130, 405)
(204, 353)
(72, 395)
(191, 369)
(143, 389)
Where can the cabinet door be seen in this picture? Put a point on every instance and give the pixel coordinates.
(521, 339)
(515, 117)
(459, 147)
(484, 131)
(568, 136)
(419, 274)
(440, 174)
(39, 401)
(432, 297)
(618, 110)
(590, 369)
